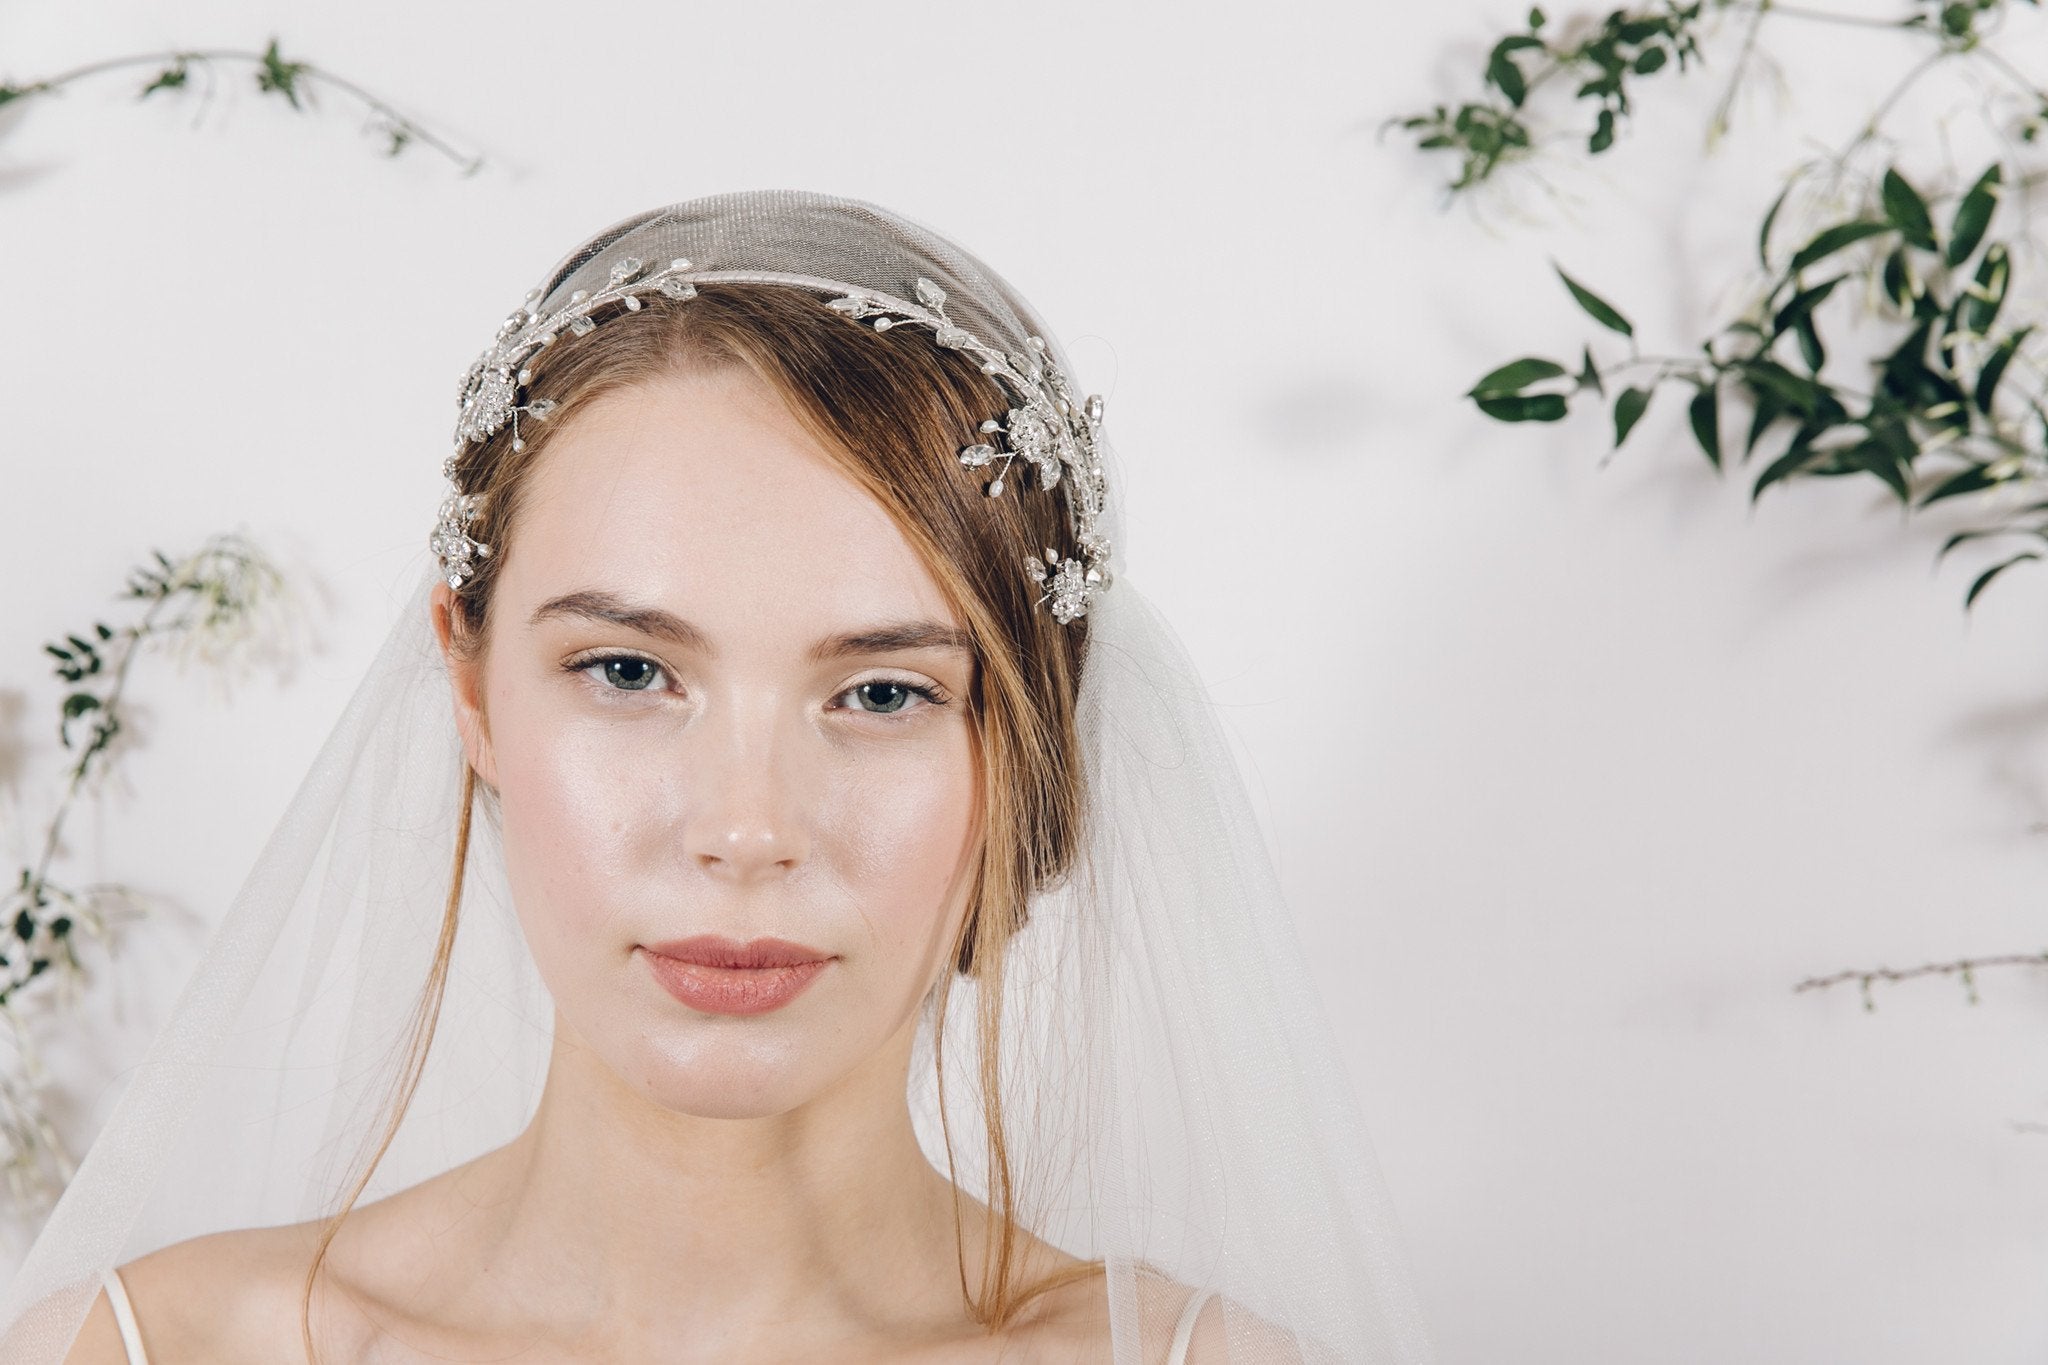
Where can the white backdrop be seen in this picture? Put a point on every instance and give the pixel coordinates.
(1571, 771)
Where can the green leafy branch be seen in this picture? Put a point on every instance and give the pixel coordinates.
(212, 602)
(1495, 128)
(295, 82)
(1956, 399)
(215, 592)
(1946, 416)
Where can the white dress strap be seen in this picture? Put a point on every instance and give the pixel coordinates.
(124, 1317)
(1184, 1330)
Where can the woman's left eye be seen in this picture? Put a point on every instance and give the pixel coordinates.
(622, 672)
(891, 696)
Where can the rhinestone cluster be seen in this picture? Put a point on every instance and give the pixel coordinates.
(1053, 432)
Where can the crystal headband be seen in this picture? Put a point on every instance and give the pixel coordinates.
(1048, 429)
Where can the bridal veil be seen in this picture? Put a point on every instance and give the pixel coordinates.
(1173, 1094)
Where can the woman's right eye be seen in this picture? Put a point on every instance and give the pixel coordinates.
(621, 672)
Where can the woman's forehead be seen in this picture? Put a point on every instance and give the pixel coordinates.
(703, 494)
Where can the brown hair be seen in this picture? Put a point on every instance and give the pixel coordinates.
(893, 408)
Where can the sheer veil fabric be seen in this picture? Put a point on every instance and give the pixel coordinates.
(1174, 1097)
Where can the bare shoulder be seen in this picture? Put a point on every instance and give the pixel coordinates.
(226, 1297)
(1073, 1323)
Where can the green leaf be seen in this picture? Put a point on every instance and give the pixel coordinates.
(1971, 479)
(1801, 306)
(280, 75)
(1603, 132)
(1502, 72)
(1810, 350)
(1649, 60)
(1769, 408)
(1973, 214)
(1763, 236)
(1589, 374)
(1515, 376)
(1987, 295)
(1704, 412)
(172, 77)
(1875, 457)
(1957, 19)
(1984, 579)
(1906, 366)
(1834, 239)
(1795, 458)
(1535, 19)
(1537, 407)
(1629, 407)
(1891, 431)
(1907, 211)
(1959, 537)
(1599, 309)
(1805, 396)
(78, 703)
(1994, 368)
(1899, 281)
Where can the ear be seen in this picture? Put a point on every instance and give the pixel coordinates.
(465, 679)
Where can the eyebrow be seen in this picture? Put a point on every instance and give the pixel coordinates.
(591, 604)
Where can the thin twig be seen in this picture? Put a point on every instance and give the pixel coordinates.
(401, 128)
(1718, 124)
(1966, 968)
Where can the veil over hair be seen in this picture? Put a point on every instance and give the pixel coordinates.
(1173, 1099)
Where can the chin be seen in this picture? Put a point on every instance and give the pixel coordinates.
(720, 1077)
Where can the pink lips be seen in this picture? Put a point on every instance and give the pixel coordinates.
(719, 975)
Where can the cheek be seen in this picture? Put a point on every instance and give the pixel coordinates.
(900, 827)
(565, 794)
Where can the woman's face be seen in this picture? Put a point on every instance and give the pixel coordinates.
(723, 697)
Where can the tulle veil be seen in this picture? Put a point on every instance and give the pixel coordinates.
(1173, 1093)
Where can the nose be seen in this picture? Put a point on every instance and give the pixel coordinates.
(747, 819)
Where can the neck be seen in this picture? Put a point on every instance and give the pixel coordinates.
(611, 1210)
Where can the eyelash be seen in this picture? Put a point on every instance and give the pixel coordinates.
(933, 696)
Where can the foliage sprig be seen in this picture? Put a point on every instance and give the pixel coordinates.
(214, 603)
(1919, 277)
(297, 83)
(1495, 128)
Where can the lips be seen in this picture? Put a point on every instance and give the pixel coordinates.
(715, 950)
(716, 975)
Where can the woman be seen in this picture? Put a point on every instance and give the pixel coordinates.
(866, 950)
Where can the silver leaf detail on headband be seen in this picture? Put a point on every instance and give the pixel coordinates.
(1048, 428)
